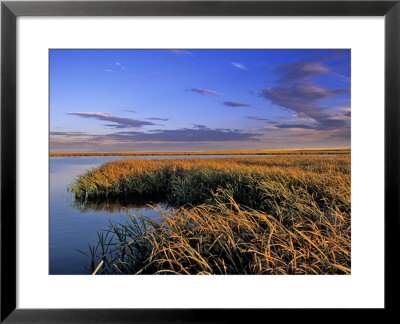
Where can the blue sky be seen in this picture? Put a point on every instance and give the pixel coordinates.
(177, 100)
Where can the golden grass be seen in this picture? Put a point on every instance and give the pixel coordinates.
(260, 215)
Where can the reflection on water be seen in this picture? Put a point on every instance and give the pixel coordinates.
(74, 225)
(118, 205)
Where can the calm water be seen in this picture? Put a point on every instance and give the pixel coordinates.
(73, 227)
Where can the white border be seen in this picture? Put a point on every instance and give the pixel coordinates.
(363, 288)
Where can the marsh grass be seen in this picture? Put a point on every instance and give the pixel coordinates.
(267, 215)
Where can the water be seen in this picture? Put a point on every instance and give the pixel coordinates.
(74, 227)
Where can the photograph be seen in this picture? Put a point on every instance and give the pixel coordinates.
(194, 161)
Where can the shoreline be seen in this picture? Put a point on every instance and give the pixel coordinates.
(316, 151)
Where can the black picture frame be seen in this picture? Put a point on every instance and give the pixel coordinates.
(10, 10)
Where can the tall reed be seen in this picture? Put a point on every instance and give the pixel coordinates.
(225, 238)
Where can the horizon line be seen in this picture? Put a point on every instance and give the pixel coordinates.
(207, 152)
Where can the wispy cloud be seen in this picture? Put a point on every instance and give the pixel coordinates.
(131, 111)
(120, 65)
(256, 118)
(118, 122)
(69, 134)
(261, 119)
(114, 67)
(235, 104)
(157, 118)
(239, 65)
(205, 92)
(303, 126)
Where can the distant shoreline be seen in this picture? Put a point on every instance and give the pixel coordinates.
(301, 151)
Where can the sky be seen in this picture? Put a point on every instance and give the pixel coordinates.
(192, 100)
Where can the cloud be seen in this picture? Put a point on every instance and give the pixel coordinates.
(69, 134)
(239, 65)
(300, 97)
(293, 72)
(322, 124)
(235, 104)
(296, 91)
(157, 118)
(116, 65)
(200, 126)
(256, 118)
(342, 133)
(205, 92)
(260, 118)
(118, 122)
(303, 126)
(130, 110)
(200, 133)
(120, 65)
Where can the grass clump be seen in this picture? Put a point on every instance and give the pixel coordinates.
(270, 215)
(225, 238)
